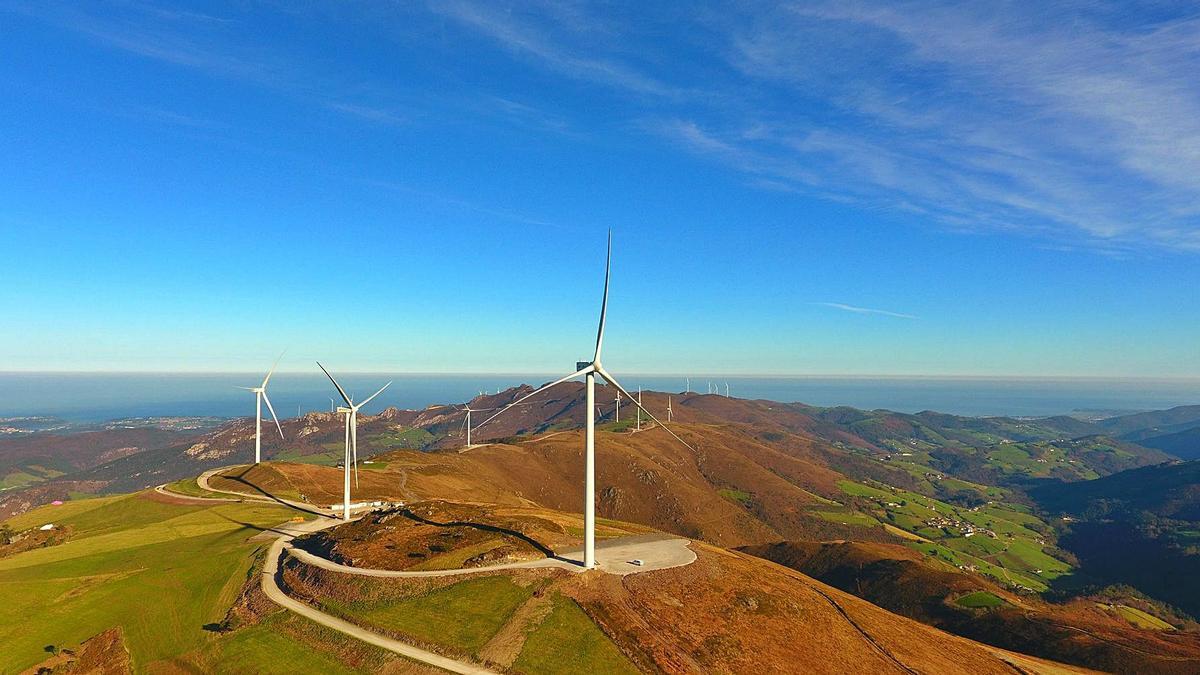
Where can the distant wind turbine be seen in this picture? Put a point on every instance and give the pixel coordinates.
(260, 395)
(687, 385)
(351, 412)
(617, 414)
(668, 408)
(639, 410)
(726, 389)
(589, 371)
(467, 424)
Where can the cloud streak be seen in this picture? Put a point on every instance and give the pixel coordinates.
(864, 310)
(1077, 124)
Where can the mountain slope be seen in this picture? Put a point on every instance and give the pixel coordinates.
(1170, 490)
(1152, 422)
(1182, 444)
(903, 581)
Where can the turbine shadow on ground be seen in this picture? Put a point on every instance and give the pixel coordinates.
(252, 526)
(495, 529)
(291, 505)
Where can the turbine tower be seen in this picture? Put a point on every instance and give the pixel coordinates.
(260, 395)
(590, 370)
(639, 410)
(350, 410)
(668, 408)
(618, 409)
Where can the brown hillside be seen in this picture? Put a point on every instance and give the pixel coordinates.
(903, 581)
(734, 490)
(725, 612)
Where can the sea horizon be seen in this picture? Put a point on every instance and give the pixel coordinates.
(100, 396)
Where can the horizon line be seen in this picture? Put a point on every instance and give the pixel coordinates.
(518, 373)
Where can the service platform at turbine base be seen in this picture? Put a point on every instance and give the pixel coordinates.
(622, 555)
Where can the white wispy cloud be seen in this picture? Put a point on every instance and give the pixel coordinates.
(1075, 124)
(865, 310)
(1082, 128)
(533, 39)
(374, 114)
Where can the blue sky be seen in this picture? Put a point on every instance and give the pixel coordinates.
(841, 188)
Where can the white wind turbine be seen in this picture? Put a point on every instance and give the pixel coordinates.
(639, 409)
(590, 371)
(260, 395)
(668, 408)
(467, 424)
(617, 414)
(351, 412)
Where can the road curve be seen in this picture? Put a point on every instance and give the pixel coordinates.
(276, 594)
(613, 556)
(202, 481)
(327, 564)
(272, 590)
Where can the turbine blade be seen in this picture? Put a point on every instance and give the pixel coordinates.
(581, 371)
(272, 370)
(246, 388)
(611, 380)
(339, 387)
(375, 394)
(604, 304)
(273, 416)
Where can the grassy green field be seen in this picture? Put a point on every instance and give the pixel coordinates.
(188, 486)
(1001, 540)
(979, 600)
(333, 456)
(739, 496)
(277, 645)
(160, 571)
(566, 639)
(1139, 618)
(462, 616)
(29, 474)
(414, 439)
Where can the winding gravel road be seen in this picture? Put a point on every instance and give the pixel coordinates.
(614, 556)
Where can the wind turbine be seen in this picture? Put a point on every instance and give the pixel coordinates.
(668, 408)
(617, 414)
(260, 395)
(590, 370)
(639, 410)
(351, 412)
(687, 385)
(467, 424)
(726, 389)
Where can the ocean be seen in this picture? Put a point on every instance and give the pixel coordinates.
(93, 397)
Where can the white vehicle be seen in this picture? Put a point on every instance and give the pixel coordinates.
(637, 561)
